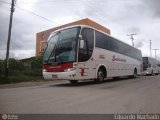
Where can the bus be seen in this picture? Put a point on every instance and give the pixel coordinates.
(151, 66)
(82, 52)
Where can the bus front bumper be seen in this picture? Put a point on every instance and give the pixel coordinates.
(59, 75)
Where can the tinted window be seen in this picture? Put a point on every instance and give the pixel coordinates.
(109, 43)
(62, 46)
(101, 40)
(86, 52)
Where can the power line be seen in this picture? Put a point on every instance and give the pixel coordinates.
(5, 2)
(33, 13)
(35, 2)
(9, 33)
(42, 2)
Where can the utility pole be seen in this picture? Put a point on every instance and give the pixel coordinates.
(155, 52)
(150, 48)
(9, 37)
(131, 37)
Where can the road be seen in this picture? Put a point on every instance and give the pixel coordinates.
(140, 95)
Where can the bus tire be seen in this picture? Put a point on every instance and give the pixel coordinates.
(134, 74)
(101, 74)
(73, 81)
(157, 73)
(151, 73)
(116, 78)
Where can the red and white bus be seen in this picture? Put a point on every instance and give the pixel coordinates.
(82, 52)
(151, 66)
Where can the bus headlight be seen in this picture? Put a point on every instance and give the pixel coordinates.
(44, 70)
(69, 69)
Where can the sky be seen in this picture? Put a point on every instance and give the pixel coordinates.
(122, 17)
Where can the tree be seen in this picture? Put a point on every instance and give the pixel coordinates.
(16, 65)
(36, 62)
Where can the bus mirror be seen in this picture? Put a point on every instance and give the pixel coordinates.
(81, 43)
(80, 36)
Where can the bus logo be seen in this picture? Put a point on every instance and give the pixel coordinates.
(118, 59)
(101, 56)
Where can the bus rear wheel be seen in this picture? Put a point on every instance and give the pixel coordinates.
(157, 73)
(151, 73)
(134, 74)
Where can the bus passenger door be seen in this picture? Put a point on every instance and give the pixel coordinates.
(86, 45)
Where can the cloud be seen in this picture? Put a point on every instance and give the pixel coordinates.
(23, 35)
(134, 30)
(139, 44)
(153, 6)
(121, 16)
(4, 24)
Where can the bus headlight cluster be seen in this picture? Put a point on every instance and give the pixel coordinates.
(69, 69)
(44, 70)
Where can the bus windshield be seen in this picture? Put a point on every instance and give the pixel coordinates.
(61, 47)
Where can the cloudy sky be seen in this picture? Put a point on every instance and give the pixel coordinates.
(122, 17)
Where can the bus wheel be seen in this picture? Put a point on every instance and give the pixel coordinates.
(73, 81)
(100, 76)
(135, 73)
(115, 78)
(157, 73)
(152, 73)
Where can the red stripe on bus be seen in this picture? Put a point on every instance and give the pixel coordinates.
(57, 68)
(82, 71)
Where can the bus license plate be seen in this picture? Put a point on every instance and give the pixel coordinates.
(54, 76)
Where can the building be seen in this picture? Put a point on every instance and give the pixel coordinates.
(42, 36)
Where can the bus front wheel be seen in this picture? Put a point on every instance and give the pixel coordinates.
(73, 81)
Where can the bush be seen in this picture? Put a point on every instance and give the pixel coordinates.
(2, 66)
(16, 65)
(22, 71)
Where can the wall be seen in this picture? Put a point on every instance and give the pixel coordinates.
(42, 37)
